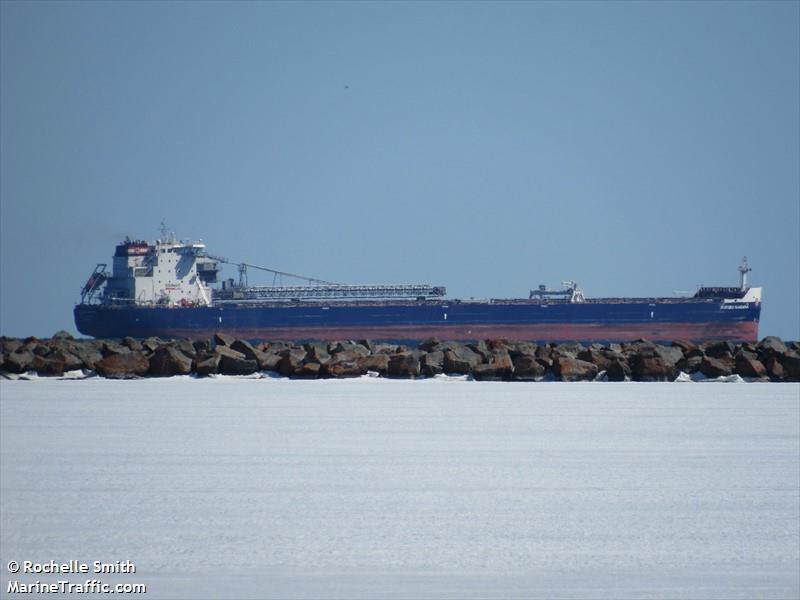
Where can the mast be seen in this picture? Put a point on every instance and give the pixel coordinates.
(744, 269)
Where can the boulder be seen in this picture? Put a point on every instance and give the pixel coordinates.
(186, 347)
(498, 345)
(48, 366)
(201, 346)
(232, 362)
(62, 335)
(747, 365)
(775, 368)
(671, 355)
(791, 366)
(7, 346)
(245, 348)
(430, 345)
(516, 349)
(168, 361)
(404, 365)
(110, 348)
(268, 361)
(569, 349)
(335, 347)
(618, 370)
(652, 369)
(70, 360)
(715, 367)
(132, 344)
(574, 369)
(527, 368)
(126, 365)
(307, 370)
(87, 354)
(39, 349)
(684, 345)
(544, 355)
(151, 344)
(318, 353)
(432, 363)
(499, 368)
(596, 357)
(461, 360)
(207, 364)
(720, 349)
(291, 360)
(378, 363)
(771, 345)
(223, 339)
(343, 369)
(19, 362)
(690, 364)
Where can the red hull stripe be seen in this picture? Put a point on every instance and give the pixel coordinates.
(741, 331)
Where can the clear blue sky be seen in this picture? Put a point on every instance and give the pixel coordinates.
(639, 148)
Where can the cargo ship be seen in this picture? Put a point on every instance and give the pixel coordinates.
(171, 289)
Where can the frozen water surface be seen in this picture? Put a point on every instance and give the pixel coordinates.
(436, 489)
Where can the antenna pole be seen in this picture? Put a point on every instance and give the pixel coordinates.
(744, 269)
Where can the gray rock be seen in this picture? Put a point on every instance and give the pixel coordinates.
(307, 370)
(527, 368)
(232, 362)
(499, 368)
(404, 365)
(715, 367)
(48, 366)
(245, 348)
(618, 370)
(430, 345)
(653, 368)
(432, 363)
(223, 339)
(62, 335)
(775, 368)
(291, 360)
(318, 353)
(132, 344)
(207, 364)
(747, 365)
(268, 361)
(344, 369)
(573, 369)
(690, 364)
(126, 365)
(110, 348)
(151, 344)
(791, 366)
(771, 345)
(461, 360)
(378, 363)
(186, 347)
(168, 361)
(720, 350)
(19, 362)
(7, 346)
(70, 360)
(569, 349)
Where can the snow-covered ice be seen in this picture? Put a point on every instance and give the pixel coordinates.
(438, 489)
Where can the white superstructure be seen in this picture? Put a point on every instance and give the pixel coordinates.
(165, 272)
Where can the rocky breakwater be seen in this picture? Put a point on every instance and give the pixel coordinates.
(491, 360)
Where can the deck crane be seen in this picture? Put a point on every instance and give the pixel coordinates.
(314, 288)
(243, 266)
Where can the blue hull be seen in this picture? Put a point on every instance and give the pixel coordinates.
(658, 320)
